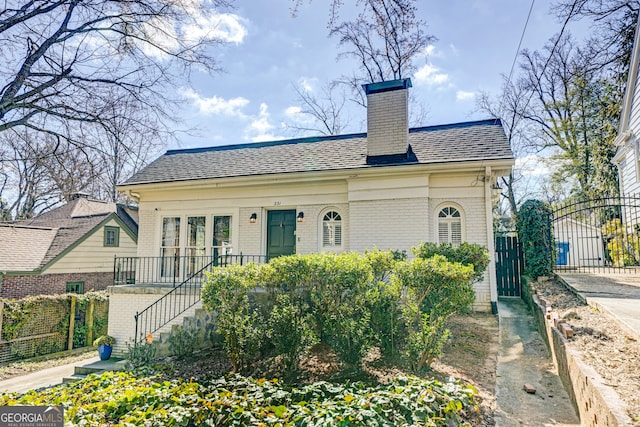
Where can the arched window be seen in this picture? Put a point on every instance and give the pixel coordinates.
(331, 230)
(449, 225)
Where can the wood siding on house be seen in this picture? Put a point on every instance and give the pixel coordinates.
(92, 256)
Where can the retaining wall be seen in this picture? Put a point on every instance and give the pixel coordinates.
(596, 403)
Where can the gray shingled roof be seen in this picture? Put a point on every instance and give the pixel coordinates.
(23, 248)
(30, 244)
(479, 140)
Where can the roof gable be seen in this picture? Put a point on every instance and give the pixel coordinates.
(470, 141)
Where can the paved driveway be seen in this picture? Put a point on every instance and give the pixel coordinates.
(618, 294)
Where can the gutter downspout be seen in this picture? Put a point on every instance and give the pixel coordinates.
(493, 287)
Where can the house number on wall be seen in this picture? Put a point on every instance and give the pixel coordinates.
(276, 203)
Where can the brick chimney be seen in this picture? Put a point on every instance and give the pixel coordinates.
(388, 122)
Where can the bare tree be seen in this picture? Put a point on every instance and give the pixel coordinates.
(85, 90)
(509, 108)
(320, 113)
(63, 60)
(572, 103)
(385, 38)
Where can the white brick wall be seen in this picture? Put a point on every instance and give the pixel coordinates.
(124, 302)
(475, 231)
(308, 233)
(147, 220)
(388, 224)
(249, 241)
(387, 123)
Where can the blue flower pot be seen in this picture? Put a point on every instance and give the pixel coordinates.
(104, 351)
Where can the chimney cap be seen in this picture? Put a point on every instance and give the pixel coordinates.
(386, 86)
(79, 195)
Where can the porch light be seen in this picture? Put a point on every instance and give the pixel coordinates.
(253, 218)
(300, 217)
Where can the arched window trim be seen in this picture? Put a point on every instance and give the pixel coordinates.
(454, 221)
(338, 230)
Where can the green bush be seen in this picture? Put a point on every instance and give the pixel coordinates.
(290, 331)
(182, 341)
(351, 301)
(434, 289)
(534, 231)
(464, 253)
(139, 355)
(226, 292)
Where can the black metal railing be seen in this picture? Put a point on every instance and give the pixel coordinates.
(597, 235)
(182, 296)
(171, 270)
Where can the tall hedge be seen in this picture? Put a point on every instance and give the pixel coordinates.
(533, 222)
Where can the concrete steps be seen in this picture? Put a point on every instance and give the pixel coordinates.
(199, 323)
(80, 372)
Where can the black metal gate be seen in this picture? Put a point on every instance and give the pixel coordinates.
(509, 266)
(597, 235)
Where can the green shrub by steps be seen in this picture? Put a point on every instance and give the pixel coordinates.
(142, 398)
(351, 301)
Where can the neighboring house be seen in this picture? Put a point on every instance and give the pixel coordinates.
(578, 244)
(627, 156)
(392, 187)
(68, 249)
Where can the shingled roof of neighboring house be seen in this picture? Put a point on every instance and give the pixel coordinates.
(30, 244)
(469, 141)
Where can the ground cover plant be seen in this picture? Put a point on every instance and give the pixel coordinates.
(140, 398)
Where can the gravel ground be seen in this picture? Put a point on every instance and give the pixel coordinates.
(601, 343)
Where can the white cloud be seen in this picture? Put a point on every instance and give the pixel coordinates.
(463, 95)
(533, 165)
(430, 75)
(428, 51)
(216, 105)
(292, 111)
(221, 26)
(307, 83)
(260, 127)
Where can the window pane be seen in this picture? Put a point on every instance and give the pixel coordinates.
(195, 231)
(171, 231)
(221, 231)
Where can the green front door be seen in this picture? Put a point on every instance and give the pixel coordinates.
(281, 233)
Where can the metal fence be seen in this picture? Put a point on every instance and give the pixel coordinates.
(182, 296)
(597, 235)
(171, 270)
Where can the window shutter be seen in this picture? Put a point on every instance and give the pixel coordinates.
(326, 234)
(337, 234)
(456, 232)
(443, 232)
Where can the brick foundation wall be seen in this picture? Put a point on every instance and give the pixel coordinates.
(50, 284)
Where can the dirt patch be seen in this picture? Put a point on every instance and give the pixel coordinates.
(601, 343)
(469, 355)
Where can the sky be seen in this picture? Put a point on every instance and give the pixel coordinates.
(268, 51)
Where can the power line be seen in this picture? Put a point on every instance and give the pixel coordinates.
(515, 57)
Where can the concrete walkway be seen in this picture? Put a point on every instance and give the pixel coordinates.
(617, 294)
(524, 359)
(44, 378)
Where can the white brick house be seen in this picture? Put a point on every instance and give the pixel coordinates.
(392, 187)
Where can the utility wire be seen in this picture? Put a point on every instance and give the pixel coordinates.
(524, 30)
(553, 49)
